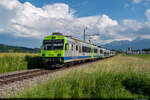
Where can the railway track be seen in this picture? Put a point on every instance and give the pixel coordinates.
(19, 76)
(10, 78)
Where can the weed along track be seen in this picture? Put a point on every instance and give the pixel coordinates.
(19, 76)
(10, 78)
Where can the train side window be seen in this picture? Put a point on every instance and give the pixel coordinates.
(72, 47)
(101, 51)
(88, 49)
(95, 50)
(76, 47)
(66, 46)
(83, 49)
(80, 49)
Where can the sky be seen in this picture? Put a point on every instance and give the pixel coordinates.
(26, 22)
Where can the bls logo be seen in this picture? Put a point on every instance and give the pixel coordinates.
(51, 55)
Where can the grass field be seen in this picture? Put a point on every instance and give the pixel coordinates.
(118, 77)
(143, 56)
(15, 61)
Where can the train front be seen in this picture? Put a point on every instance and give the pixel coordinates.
(52, 49)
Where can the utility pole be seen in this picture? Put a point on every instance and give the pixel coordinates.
(84, 33)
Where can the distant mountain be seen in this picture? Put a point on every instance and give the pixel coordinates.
(124, 44)
(7, 48)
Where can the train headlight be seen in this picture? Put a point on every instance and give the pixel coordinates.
(59, 54)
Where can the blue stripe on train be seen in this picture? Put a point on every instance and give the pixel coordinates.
(79, 57)
(67, 58)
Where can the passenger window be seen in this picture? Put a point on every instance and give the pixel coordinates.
(72, 47)
(76, 47)
(95, 50)
(101, 51)
(80, 49)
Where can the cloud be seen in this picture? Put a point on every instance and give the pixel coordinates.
(26, 20)
(136, 1)
(145, 36)
(10, 5)
(126, 5)
(132, 24)
(147, 13)
(1, 30)
(145, 2)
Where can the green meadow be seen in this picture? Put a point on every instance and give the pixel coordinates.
(122, 76)
(10, 62)
(143, 56)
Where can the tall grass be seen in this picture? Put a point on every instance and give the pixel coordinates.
(14, 61)
(117, 77)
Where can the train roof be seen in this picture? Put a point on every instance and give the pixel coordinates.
(80, 40)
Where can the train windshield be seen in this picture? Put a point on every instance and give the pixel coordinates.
(53, 44)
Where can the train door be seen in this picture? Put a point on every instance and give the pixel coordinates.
(80, 49)
(67, 49)
(76, 49)
(101, 53)
(92, 52)
(72, 49)
(83, 49)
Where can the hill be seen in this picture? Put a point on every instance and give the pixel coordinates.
(7, 48)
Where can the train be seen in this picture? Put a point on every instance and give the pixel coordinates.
(61, 49)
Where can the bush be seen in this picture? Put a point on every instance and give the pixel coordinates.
(138, 84)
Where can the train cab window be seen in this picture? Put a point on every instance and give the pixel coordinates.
(53, 44)
(76, 47)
